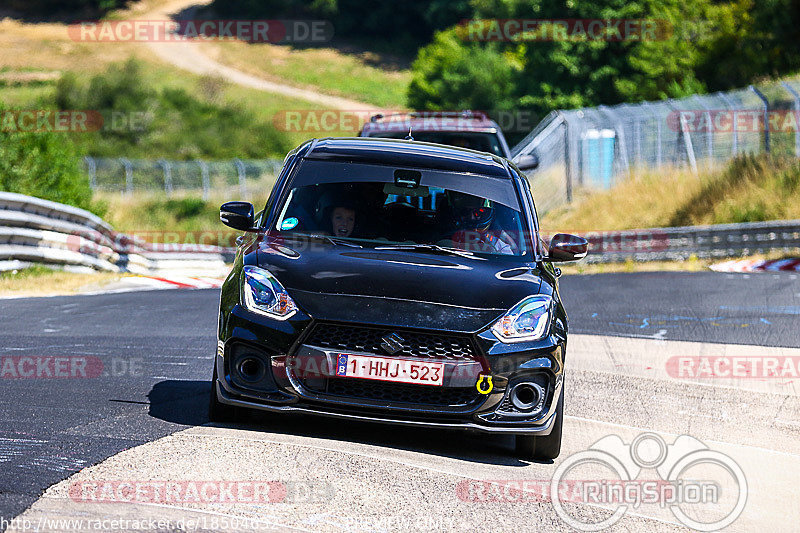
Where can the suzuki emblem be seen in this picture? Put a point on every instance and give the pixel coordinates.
(392, 343)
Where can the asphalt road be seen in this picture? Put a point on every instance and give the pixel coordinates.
(761, 309)
(153, 352)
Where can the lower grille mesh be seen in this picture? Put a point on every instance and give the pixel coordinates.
(415, 344)
(393, 392)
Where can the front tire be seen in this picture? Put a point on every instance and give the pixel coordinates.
(218, 411)
(546, 447)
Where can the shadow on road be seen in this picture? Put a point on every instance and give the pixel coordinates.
(180, 402)
(186, 403)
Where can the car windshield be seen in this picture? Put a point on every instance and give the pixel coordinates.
(481, 141)
(444, 212)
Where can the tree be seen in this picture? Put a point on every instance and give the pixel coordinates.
(73, 9)
(700, 45)
(450, 76)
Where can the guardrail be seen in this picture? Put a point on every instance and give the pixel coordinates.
(36, 231)
(705, 242)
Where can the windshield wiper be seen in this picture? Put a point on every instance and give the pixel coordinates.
(428, 248)
(341, 242)
(334, 241)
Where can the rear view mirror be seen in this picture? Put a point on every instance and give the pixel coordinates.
(237, 215)
(528, 162)
(566, 247)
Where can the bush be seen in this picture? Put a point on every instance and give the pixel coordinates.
(45, 165)
(175, 124)
(543, 75)
(72, 9)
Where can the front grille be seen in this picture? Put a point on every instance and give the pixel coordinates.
(368, 339)
(353, 388)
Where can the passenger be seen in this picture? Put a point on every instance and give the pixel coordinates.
(343, 220)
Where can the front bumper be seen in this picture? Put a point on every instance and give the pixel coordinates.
(508, 365)
(542, 429)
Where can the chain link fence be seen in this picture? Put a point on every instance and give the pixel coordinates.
(236, 178)
(597, 147)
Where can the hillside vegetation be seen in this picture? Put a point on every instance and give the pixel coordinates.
(749, 189)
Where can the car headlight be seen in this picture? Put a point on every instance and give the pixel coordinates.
(526, 321)
(263, 294)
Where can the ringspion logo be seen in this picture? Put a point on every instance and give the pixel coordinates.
(704, 489)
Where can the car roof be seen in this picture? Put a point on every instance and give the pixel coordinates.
(406, 153)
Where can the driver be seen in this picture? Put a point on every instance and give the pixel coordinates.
(473, 218)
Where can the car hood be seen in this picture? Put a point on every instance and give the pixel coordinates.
(397, 287)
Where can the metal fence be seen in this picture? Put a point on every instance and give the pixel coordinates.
(233, 178)
(597, 147)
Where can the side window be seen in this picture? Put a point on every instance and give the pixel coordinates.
(263, 215)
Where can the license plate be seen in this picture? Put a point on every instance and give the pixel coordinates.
(389, 369)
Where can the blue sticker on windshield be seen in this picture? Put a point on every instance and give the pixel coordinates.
(289, 223)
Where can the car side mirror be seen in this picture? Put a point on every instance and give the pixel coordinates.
(566, 247)
(237, 215)
(528, 162)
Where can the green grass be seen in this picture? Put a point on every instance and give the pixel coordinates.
(749, 189)
(26, 96)
(327, 70)
(187, 218)
(223, 121)
(35, 271)
(157, 219)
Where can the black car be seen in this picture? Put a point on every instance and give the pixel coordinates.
(466, 129)
(401, 282)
